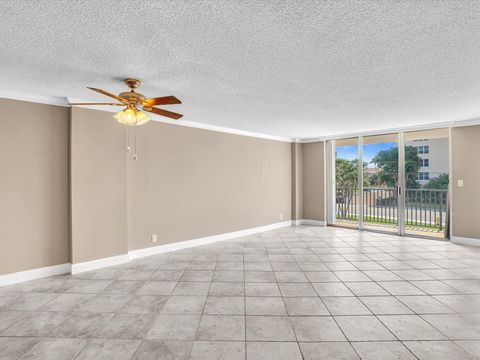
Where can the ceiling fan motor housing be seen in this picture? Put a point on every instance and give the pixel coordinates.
(131, 96)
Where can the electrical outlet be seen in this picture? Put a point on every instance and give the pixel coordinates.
(281, 216)
(154, 238)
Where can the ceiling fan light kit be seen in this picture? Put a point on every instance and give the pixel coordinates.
(131, 115)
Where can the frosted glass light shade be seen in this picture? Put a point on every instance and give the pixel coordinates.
(131, 117)
(142, 118)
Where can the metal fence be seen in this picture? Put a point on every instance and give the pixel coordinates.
(424, 208)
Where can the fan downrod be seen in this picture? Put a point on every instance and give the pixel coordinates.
(132, 83)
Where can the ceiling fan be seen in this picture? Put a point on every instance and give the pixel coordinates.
(131, 115)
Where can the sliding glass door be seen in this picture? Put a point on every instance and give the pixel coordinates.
(381, 185)
(396, 183)
(426, 182)
(347, 191)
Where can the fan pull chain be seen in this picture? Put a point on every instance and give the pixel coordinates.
(129, 148)
(135, 143)
(128, 140)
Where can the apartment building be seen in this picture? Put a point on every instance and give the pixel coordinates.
(433, 154)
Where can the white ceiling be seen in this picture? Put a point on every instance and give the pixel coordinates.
(288, 68)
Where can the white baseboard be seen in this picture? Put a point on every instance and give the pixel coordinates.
(18, 277)
(21, 276)
(100, 263)
(309, 222)
(465, 241)
(135, 254)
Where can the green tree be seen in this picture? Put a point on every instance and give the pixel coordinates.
(346, 173)
(346, 178)
(438, 183)
(387, 162)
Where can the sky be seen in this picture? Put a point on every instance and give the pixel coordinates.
(369, 151)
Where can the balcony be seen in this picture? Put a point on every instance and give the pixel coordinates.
(425, 209)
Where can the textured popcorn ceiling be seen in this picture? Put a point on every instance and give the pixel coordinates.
(289, 68)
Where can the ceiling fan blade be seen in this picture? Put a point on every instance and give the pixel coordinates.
(103, 92)
(112, 104)
(164, 113)
(165, 100)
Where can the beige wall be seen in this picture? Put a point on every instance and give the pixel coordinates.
(34, 209)
(189, 183)
(297, 181)
(98, 185)
(314, 181)
(465, 165)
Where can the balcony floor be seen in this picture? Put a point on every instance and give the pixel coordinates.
(410, 230)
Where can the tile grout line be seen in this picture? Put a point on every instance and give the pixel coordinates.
(296, 256)
(283, 301)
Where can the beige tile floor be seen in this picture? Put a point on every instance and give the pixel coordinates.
(295, 293)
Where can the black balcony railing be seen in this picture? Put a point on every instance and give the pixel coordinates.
(424, 208)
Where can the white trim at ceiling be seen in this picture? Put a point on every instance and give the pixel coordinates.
(227, 130)
(64, 101)
(432, 126)
(41, 99)
(192, 124)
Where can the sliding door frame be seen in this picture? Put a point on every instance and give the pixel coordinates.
(360, 183)
(401, 184)
(331, 184)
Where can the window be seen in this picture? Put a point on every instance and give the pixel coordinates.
(423, 175)
(424, 162)
(425, 149)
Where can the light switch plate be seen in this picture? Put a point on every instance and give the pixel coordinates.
(154, 238)
(460, 183)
